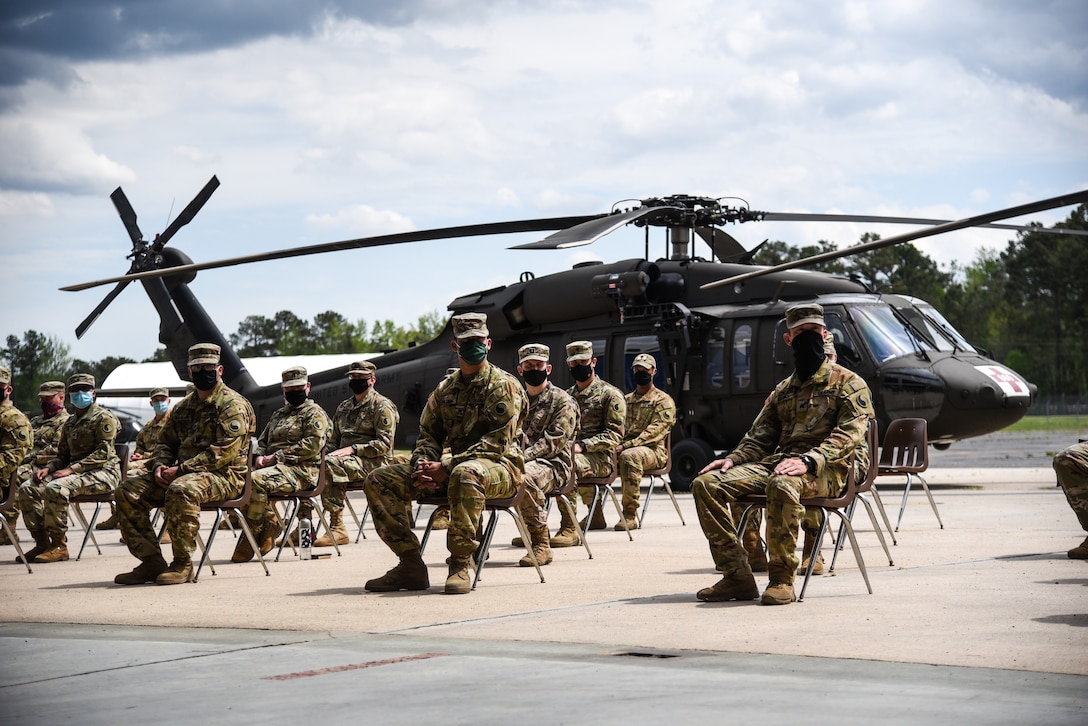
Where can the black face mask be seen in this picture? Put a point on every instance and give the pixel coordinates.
(358, 385)
(535, 378)
(581, 373)
(295, 398)
(643, 378)
(204, 380)
(808, 353)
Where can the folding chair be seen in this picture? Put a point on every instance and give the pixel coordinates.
(663, 475)
(906, 451)
(493, 506)
(8, 503)
(863, 488)
(601, 485)
(294, 502)
(356, 486)
(233, 505)
(98, 500)
(560, 495)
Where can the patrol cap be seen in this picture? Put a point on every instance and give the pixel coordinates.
(50, 389)
(470, 325)
(204, 353)
(804, 313)
(80, 379)
(5, 375)
(362, 368)
(579, 350)
(295, 376)
(645, 360)
(159, 392)
(533, 351)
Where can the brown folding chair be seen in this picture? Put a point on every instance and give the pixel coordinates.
(98, 500)
(293, 500)
(9, 501)
(661, 474)
(492, 506)
(232, 505)
(864, 488)
(906, 452)
(602, 485)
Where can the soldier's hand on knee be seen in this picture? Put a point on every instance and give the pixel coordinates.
(722, 464)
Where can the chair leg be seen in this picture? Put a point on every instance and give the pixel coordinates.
(358, 522)
(933, 504)
(619, 510)
(853, 546)
(675, 504)
(252, 541)
(876, 528)
(883, 514)
(903, 504)
(88, 527)
(646, 504)
(321, 516)
(293, 511)
(12, 538)
(564, 502)
(526, 540)
(206, 548)
(426, 530)
(480, 556)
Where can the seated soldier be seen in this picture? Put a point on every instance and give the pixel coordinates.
(46, 428)
(145, 441)
(651, 414)
(16, 438)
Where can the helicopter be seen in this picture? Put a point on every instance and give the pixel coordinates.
(713, 325)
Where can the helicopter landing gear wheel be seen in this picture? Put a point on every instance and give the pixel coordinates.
(688, 457)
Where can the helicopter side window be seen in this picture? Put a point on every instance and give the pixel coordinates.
(885, 335)
(742, 357)
(642, 344)
(715, 355)
(846, 348)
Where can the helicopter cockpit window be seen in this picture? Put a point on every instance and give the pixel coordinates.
(884, 333)
(742, 357)
(715, 356)
(846, 348)
(942, 324)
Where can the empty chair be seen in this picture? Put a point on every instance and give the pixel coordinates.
(865, 487)
(906, 452)
(232, 505)
(661, 474)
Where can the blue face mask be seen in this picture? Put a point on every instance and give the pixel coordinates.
(81, 399)
(473, 352)
(160, 407)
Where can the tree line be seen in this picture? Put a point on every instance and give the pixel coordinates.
(1026, 306)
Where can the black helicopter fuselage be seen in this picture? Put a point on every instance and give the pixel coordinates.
(720, 352)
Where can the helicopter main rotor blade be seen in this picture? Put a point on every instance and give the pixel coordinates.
(805, 217)
(187, 214)
(588, 232)
(89, 320)
(1041, 206)
(127, 214)
(472, 230)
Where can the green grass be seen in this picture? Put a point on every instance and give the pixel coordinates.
(1050, 423)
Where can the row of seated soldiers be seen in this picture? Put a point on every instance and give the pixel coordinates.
(481, 433)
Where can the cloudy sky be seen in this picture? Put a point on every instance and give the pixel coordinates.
(336, 119)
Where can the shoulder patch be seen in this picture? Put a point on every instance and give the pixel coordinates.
(235, 426)
(500, 408)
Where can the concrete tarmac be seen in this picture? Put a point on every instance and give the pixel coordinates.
(984, 620)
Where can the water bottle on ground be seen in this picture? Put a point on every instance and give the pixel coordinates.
(305, 538)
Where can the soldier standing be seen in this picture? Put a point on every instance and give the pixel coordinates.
(201, 456)
(549, 429)
(601, 411)
(651, 414)
(800, 445)
(477, 412)
(46, 432)
(288, 459)
(15, 440)
(1071, 466)
(86, 463)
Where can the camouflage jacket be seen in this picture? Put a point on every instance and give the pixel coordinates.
(46, 436)
(477, 418)
(368, 426)
(149, 434)
(825, 417)
(16, 438)
(549, 429)
(296, 435)
(601, 411)
(649, 420)
(207, 436)
(85, 442)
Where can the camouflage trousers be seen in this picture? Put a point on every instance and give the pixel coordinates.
(717, 491)
(811, 521)
(632, 463)
(391, 489)
(180, 503)
(339, 472)
(539, 480)
(597, 463)
(45, 504)
(1071, 466)
(273, 479)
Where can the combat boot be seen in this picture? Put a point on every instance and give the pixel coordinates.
(459, 581)
(757, 556)
(809, 546)
(441, 518)
(738, 586)
(266, 540)
(779, 593)
(541, 550)
(111, 521)
(4, 539)
(337, 530)
(243, 551)
(409, 574)
(630, 519)
(57, 552)
(41, 544)
(597, 521)
(146, 571)
(179, 571)
(1080, 552)
(567, 536)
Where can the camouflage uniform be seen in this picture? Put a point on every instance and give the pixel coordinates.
(15, 443)
(145, 443)
(296, 435)
(210, 441)
(548, 433)
(46, 433)
(650, 418)
(1071, 466)
(84, 445)
(368, 427)
(825, 417)
(602, 410)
